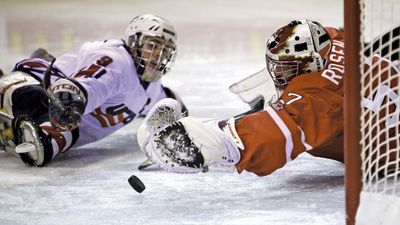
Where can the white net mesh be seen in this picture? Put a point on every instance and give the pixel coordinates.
(380, 88)
(380, 126)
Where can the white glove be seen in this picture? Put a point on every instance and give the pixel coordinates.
(163, 113)
(186, 145)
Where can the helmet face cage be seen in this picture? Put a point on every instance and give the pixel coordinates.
(153, 56)
(151, 41)
(282, 72)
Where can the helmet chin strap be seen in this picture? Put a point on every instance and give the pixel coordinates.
(144, 66)
(140, 69)
(162, 68)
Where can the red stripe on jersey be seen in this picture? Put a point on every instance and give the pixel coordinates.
(88, 71)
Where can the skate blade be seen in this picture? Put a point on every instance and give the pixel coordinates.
(25, 147)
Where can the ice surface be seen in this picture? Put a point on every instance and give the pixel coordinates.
(220, 42)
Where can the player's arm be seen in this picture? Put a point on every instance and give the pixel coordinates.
(271, 139)
(185, 144)
(300, 121)
(101, 80)
(260, 142)
(87, 89)
(71, 99)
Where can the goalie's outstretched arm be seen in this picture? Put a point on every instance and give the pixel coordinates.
(185, 144)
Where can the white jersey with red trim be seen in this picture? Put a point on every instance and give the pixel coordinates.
(106, 71)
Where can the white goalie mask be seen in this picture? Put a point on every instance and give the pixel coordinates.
(151, 40)
(297, 48)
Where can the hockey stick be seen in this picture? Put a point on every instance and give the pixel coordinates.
(6, 117)
(54, 100)
(148, 165)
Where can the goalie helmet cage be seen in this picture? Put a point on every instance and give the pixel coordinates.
(372, 137)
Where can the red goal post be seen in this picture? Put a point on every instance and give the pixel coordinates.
(352, 99)
(372, 111)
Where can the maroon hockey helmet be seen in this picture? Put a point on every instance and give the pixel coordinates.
(297, 48)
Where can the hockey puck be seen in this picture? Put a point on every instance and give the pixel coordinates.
(136, 183)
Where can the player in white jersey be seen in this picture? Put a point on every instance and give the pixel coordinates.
(87, 93)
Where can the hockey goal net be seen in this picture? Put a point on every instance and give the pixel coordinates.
(378, 37)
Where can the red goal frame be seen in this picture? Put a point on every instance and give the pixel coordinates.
(352, 107)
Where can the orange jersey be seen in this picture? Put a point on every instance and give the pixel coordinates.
(307, 117)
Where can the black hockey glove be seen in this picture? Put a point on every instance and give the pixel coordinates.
(66, 114)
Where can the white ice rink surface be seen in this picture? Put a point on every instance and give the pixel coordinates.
(220, 42)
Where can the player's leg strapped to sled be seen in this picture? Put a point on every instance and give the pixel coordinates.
(27, 132)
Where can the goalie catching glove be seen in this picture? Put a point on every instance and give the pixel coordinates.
(185, 144)
(72, 99)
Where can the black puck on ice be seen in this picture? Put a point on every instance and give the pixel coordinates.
(136, 183)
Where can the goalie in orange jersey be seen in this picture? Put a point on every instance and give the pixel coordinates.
(306, 62)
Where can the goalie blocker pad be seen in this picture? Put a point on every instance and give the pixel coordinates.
(255, 89)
